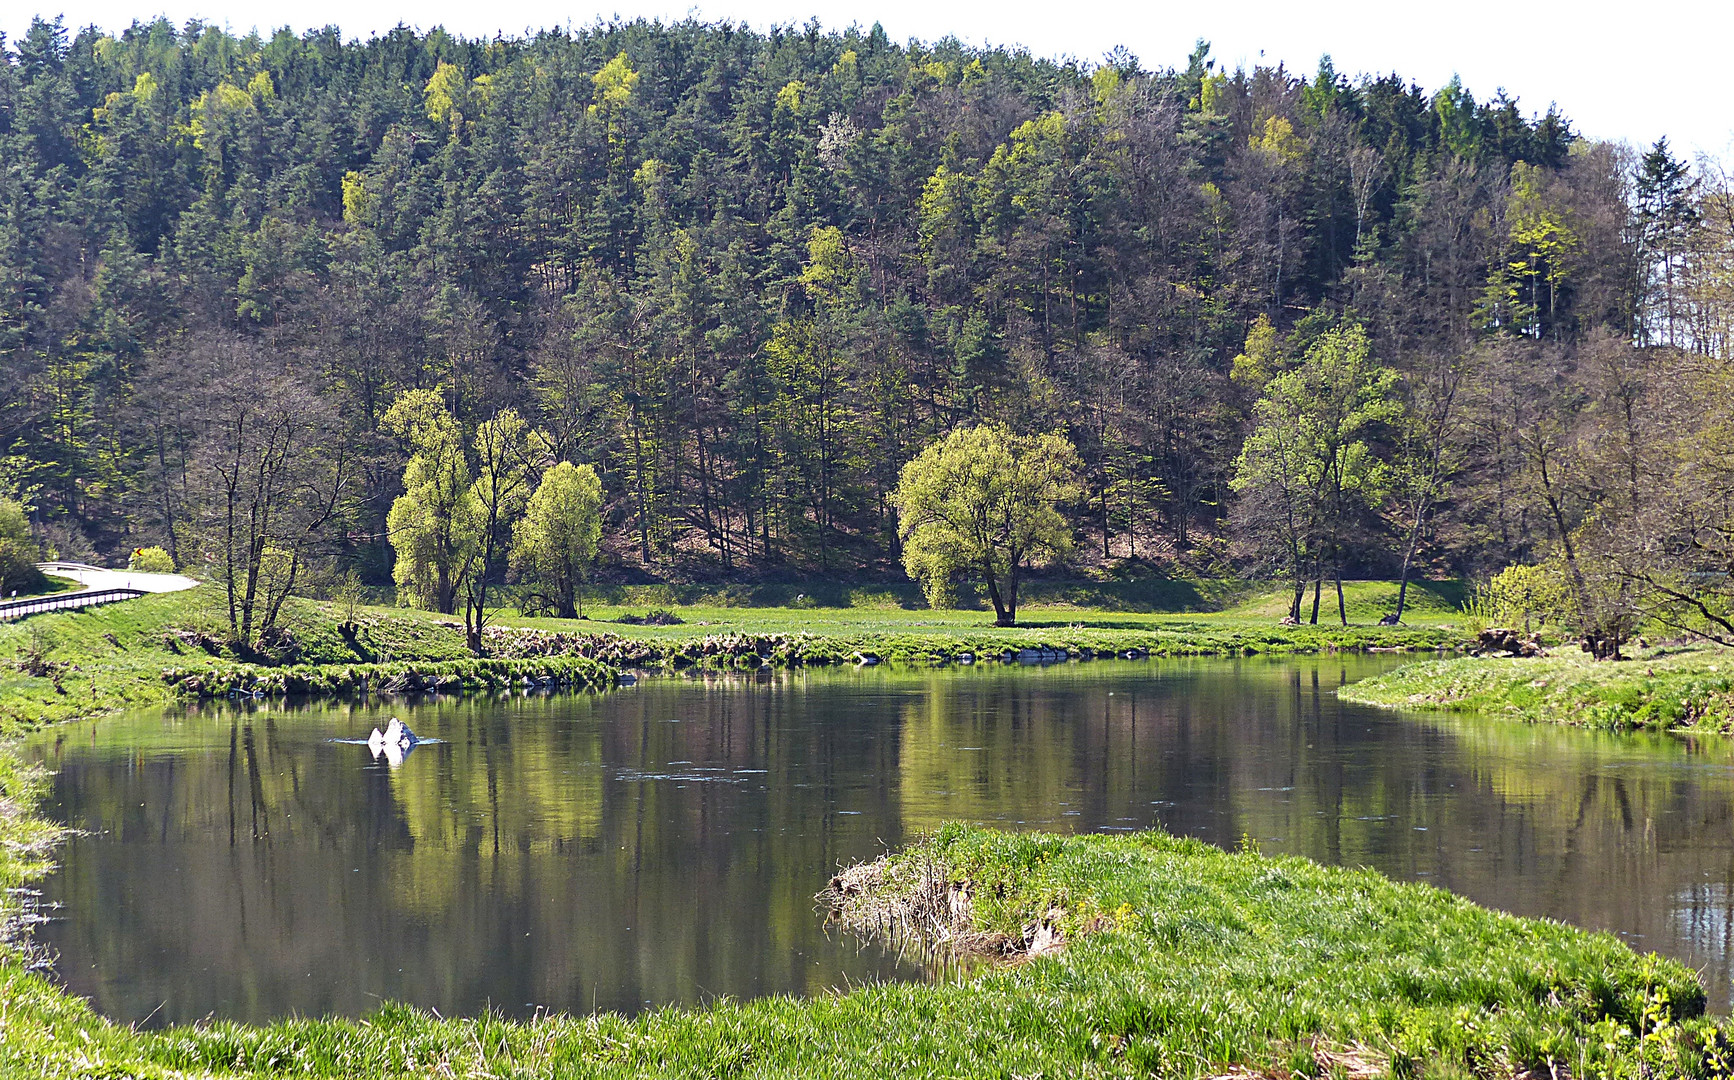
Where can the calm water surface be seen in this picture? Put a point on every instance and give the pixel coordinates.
(662, 843)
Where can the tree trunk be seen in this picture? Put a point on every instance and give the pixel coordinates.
(1342, 608)
(1107, 531)
(1001, 617)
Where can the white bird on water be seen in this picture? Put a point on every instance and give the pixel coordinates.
(394, 743)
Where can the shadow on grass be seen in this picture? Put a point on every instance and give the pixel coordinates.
(1151, 596)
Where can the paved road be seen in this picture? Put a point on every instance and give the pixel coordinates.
(92, 577)
(100, 587)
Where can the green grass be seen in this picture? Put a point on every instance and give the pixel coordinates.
(51, 586)
(114, 656)
(1248, 624)
(1367, 601)
(1182, 961)
(1659, 689)
(1147, 595)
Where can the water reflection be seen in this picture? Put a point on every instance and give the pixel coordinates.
(662, 843)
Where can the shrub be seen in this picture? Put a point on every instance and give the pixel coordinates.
(151, 560)
(1521, 595)
(18, 551)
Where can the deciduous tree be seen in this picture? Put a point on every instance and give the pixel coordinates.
(983, 503)
(554, 543)
(432, 525)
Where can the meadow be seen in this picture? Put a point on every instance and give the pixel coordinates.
(96, 660)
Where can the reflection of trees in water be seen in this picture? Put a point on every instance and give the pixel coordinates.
(512, 863)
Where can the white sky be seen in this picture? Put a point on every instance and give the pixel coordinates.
(1631, 71)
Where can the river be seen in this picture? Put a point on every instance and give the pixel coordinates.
(662, 843)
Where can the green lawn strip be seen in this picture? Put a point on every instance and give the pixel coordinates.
(1367, 601)
(752, 642)
(52, 585)
(1182, 960)
(115, 656)
(1659, 689)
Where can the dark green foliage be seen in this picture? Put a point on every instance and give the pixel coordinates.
(745, 275)
(450, 676)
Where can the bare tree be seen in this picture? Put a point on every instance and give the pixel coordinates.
(1428, 455)
(271, 474)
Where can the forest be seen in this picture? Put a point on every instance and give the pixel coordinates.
(257, 290)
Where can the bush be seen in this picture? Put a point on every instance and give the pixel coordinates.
(1522, 596)
(151, 560)
(18, 551)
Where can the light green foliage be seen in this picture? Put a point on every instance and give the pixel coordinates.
(356, 203)
(614, 82)
(433, 524)
(444, 91)
(982, 503)
(1309, 458)
(502, 447)
(1522, 292)
(1524, 596)
(18, 550)
(828, 272)
(1278, 141)
(151, 560)
(555, 541)
(1262, 358)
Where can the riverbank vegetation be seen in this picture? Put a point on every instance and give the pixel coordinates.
(1162, 956)
(384, 319)
(1666, 689)
(66, 665)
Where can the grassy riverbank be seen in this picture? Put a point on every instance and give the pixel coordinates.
(1673, 689)
(96, 660)
(1179, 960)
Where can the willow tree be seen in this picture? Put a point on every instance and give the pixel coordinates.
(502, 488)
(984, 504)
(18, 551)
(554, 543)
(432, 525)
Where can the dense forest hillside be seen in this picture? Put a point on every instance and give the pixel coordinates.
(747, 276)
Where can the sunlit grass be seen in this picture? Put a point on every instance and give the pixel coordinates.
(1181, 960)
(1663, 689)
(114, 656)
